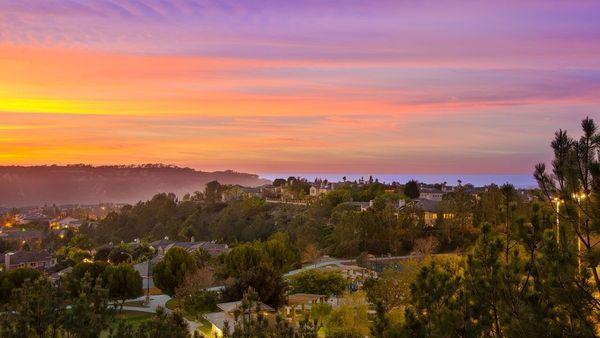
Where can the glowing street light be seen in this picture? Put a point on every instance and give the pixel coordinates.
(558, 202)
(579, 197)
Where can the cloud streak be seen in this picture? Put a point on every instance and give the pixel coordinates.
(279, 86)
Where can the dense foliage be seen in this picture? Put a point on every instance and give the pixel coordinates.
(318, 282)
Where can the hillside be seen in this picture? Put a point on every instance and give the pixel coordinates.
(72, 184)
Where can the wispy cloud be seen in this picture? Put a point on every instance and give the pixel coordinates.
(277, 86)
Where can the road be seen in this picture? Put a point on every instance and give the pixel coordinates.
(157, 301)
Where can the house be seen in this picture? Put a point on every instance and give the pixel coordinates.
(65, 223)
(213, 248)
(40, 260)
(229, 312)
(352, 273)
(238, 192)
(317, 190)
(29, 217)
(145, 271)
(431, 194)
(364, 206)
(431, 211)
(303, 300)
(21, 237)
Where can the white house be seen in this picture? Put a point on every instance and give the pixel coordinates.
(431, 194)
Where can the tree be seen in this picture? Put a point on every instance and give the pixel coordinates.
(381, 322)
(574, 185)
(123, 282)
(169, 273)
(311, 253)
(325, 283)
(37, 308)
(241, 258)
(213, 191)
(192, 294)
(165, 325)
(267, 281)
(14, 279)
(202, 257)
(457, 230)
(392, 287)
(411, 189)
(79, 271)
(319, 313)
(425, 246)
(280, 253)
(437, 303)
(88, 313)
(508, 192)
(349, 319)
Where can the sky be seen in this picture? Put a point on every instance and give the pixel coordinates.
(296, 86)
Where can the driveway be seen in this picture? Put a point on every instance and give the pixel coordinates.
(155, 302)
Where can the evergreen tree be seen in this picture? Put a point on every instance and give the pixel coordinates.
(411, 189)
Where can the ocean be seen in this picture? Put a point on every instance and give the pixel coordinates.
(518, 180)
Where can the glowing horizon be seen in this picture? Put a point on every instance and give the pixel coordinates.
(269, 86)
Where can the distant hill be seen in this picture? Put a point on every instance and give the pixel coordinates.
(85, 184)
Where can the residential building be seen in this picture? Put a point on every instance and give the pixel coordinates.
(40, 260)
(431, 211)
(364, 206)
(431, 194)
(319, 189)
(30, 216)
(33, 238)
(228, 314)
(302, 302)
(238, 192)
(65, 223)
(213, 248)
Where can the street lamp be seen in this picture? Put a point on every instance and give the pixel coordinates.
(579, 197)
(148, 271)
(128, 254)
(558, 201)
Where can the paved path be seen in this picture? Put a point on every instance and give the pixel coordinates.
(340, 262)
(320, 264)
(159, 301)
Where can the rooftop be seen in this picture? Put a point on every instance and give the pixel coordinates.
(232, 306)
(303, 298)
(20, 257)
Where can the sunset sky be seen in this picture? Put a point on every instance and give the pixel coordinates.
(296, 86)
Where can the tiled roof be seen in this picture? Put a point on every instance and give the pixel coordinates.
(16, 234)
(428, 205)
(232, 306)
(20, 257)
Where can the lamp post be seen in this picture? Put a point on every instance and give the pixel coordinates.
(128, 254)
(148, 276)
(558, 202)
(579, 197)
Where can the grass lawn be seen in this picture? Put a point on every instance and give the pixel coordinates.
(134, 303)
(205, 326)
(134, 318)
(173, 304)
